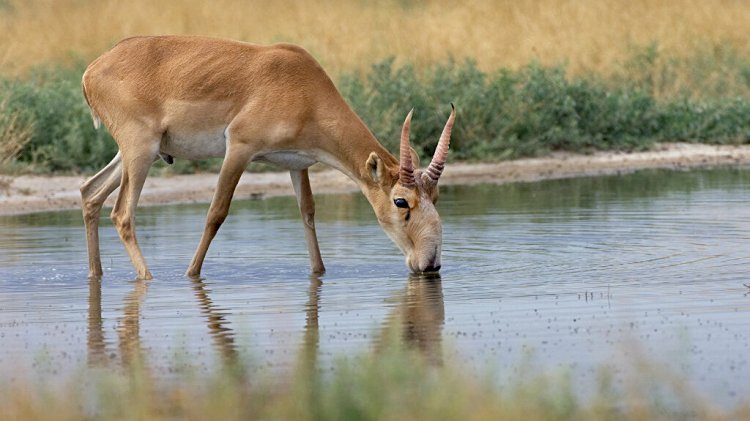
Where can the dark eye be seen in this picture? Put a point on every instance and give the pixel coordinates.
(401, 203)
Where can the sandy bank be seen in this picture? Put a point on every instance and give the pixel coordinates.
(27, 194)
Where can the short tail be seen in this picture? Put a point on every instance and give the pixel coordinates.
(94, 115)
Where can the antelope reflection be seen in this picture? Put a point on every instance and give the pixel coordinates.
(95, 340)
(419, 317)
(308, 355)
(129, 325)
(417, 320)
(218, 326)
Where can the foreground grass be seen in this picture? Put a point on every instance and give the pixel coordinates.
(392, 383)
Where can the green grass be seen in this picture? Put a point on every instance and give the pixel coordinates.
(503, 114)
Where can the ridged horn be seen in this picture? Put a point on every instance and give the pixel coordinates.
(437, 164)
(406, 166)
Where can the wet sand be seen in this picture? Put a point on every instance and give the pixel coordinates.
(29, 194)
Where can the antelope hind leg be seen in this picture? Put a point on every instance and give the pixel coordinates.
(93, 194)
(135, 171)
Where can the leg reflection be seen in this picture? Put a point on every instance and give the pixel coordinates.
(129, 325)
(222, 334)
(97, 350)
(311, 338)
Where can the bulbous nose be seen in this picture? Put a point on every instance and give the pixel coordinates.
(433, 264)
(432, 269)
(430, 265)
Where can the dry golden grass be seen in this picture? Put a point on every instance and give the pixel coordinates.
(350, 35)
(13, 135)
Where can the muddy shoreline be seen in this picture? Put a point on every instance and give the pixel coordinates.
(29, 194)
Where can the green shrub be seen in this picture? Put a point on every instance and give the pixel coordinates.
(501, 115)
(505, 114)
(725, 120)
(63, 138)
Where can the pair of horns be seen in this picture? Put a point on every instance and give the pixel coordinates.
(432, 173)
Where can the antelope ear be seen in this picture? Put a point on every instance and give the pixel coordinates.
(375, 168)
(414, 157)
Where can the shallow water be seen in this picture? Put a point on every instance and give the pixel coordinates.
(573, 275)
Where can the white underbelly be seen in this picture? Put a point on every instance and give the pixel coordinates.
(213, 144)
(199, 145)
(290, 160)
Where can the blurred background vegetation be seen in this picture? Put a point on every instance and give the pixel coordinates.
(527, 77)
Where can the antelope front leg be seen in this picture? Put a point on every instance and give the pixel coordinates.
(301, 183)
(237, 157)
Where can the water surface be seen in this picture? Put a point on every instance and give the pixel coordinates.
(574, 274)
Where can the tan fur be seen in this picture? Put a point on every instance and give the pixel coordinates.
(180, 96)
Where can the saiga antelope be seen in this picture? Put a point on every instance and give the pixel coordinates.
(195, 97)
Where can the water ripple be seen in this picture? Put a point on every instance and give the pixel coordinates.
(572, 271)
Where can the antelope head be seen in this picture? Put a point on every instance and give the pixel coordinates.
(406, 201)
